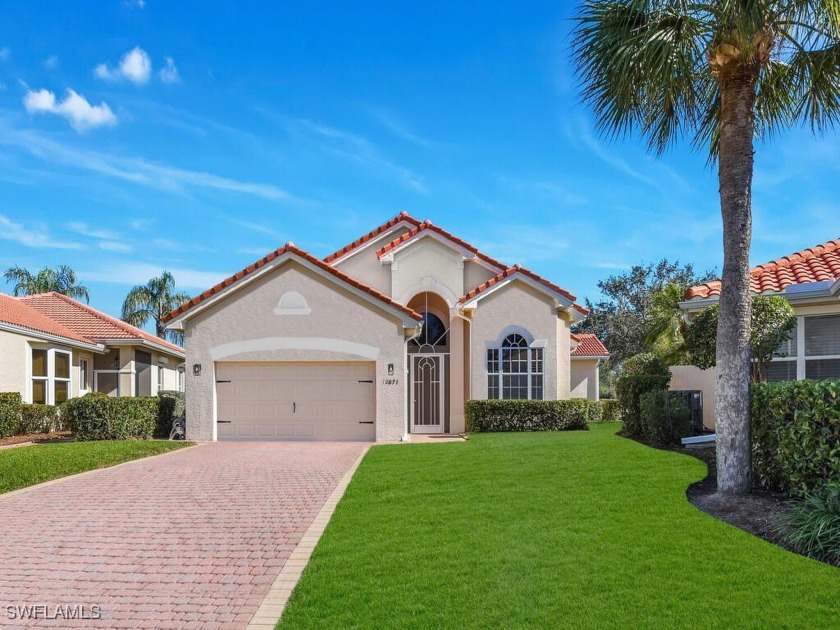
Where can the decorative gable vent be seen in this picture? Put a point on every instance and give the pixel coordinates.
(292, 303)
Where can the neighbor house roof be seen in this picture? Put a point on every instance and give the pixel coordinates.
(17, 313)
(402, 217)
(589, 346)
(91, 324)
(291, 248)
(512, 272)
(815, 264)
(427, 227)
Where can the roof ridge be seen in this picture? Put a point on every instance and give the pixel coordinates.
(61, 330)
(402, 216)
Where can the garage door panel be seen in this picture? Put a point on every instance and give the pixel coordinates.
(325, 401)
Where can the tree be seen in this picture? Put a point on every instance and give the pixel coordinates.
(621, 321)
(771, 325)
(153, 300)
(61, 279)
(666, 325)
(723, 73)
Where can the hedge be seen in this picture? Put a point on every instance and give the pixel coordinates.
(640, 374)
(796, 436)
(666, 417)
(10, 403)
(172, 408)
(38, 419)
(96, 416)
(610, 410)
(526, 415)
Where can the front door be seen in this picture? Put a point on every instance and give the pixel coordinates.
(427, 393)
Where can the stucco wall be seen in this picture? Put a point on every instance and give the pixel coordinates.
(692, 377)
(475, 275)
(336, 315)
(14, 370)
(584, 379)
(365, 266)
(428, 265)
(516, 307)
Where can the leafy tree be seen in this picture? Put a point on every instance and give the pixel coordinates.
(61, 279)
(622, 320)
(666, 325)
(723, 73)
(153, 300)
(771, 325)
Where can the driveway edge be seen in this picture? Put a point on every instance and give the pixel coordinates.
(58, 480)
(271, 609)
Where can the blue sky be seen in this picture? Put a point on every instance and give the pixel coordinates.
(137, 136)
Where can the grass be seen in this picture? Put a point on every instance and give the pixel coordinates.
(547, 530)
(28, 465)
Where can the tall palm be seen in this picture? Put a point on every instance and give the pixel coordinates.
(724, 73)
(665, 324)
(61, 279)
(153, 300)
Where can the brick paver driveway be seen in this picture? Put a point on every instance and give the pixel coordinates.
(191, 539)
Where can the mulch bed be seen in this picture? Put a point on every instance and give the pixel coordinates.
(37, 438)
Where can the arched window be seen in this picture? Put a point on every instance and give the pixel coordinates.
(434, 334)
(515, 371)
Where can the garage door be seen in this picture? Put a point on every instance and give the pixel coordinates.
(316, 401)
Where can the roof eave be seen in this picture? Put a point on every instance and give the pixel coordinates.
(31, 332)
(125, 341)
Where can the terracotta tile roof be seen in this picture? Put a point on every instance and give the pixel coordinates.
(401, 217)
(814, 264)
(293, 249)
(589, 346)
(429, 226)
(518, 269)
(90, 323)
(15, 311)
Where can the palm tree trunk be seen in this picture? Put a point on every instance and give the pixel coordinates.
(735, 170)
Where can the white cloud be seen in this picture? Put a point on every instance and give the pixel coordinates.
(140, 272)
(135, 66)
(115, 246)
(75, 108)
(84, 229)
(141, 225)
(5, 53)
(169, 73)
(51, 62)
(31, 236)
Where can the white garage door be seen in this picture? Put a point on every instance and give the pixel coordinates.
(316, 401)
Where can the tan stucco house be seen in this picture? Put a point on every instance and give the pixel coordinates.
(810, 281)
(387, 337)
(53, 348)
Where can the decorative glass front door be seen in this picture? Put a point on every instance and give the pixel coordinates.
(427, 394)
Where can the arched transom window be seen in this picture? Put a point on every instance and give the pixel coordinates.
(515, 370)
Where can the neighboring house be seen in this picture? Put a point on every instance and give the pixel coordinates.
(386, 337)
(53, 348)
(810, 281)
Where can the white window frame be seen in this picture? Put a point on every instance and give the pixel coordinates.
(51, 379)
(801, 358)
(498, 376)
(57, 379)
(84, 376)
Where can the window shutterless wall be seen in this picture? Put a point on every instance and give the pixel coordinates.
(813, 351)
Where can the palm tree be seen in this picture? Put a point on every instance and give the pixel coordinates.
(61, 279)
(665, 325)
(152, 301)
(723, 73)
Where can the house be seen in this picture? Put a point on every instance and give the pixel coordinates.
(53, 348)
(387, 337)
(810, 281)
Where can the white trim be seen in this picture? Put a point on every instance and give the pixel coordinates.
(430, 284)
(369, 242)
(137, 341)
(23, 330)
(428, 429)
(324, 344)
(466, 254)
(177, 323)
(561, 299)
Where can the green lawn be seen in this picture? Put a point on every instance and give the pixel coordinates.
(546, 530)
(28, 465)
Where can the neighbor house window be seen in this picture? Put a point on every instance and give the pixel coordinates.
(83, 375)
(160, 378)
(40, 377)
(515, 371)
(50, 376)
(62, 377)
(822, 347)
(784, 364)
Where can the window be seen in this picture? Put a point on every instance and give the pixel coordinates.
(160, 378)
(83, 375)
(515, 371)
(62, 377)
(40, 377)
(822, 347)
(434, 333)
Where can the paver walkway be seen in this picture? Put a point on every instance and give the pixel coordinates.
(191, 539)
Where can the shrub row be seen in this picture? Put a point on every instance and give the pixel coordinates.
(609, 411)
(19, 418)
(527, 415)
(665, 417)
(99, 417)
(640, 374)
(796, 436)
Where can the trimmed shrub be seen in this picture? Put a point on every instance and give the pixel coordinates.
(640, 374)
(526, 415)
(594, 411)
(666, 417)
(814, 527)
(172, 408)
(96, 416)
(37, 419)
(610, 410)
(10, 403)
(796, 436)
